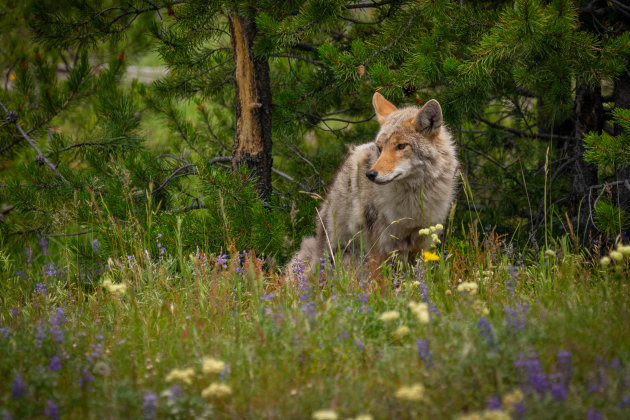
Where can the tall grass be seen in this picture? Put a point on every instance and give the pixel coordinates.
(508, 334)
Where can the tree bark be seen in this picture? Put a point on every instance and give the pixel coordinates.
(252, 142)
(589, 116)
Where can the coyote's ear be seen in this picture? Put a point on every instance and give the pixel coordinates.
(429, 119)
(382, 107)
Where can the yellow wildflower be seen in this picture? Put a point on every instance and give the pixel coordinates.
(511, 399)
(468, 286)
(494, 415)
(616, 255)
(211, 365)
(413, 392)
(325, 415)
(420, 310)
(389, 316)
(401, 331)
(182, 375)
(216, 390)
(12, 76)
(430, 256)
(113, 288)
(605, 261)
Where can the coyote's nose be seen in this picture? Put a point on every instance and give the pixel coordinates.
(371, 174)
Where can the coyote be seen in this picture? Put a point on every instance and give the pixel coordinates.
(388, 189)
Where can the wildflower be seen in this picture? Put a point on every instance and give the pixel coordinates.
(413, 392)
(96, 246)
(424, 353)
(511, 399)
(389, 316)
(211, 365)
(515, 320)
(439, 227)
(468, 287)
(52, 410)
(481, 308)
(149, 406)
(18, 388)
(624, 249)
(430, 256)
(494, 415)
(359, 344)
(85, 378)
(267, 296)
(616, 256)
(43, 243)
(558, 391)
(401, 331)
(364, 417)
(550, 253)
(57, 318)
(12, 77)
(420, 310)
(29, 256)
(435, 238)
(325, 415)
(485, 331)
(424, 232)
(532, 370)
(565, 365)
(101, 368)
(594, 415)
(41, 288)
(216, 390)
(183, 375)
(494, 403)
(55, 364)
(114, 288)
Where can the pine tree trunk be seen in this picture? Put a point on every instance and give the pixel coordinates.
(621, 96)
(252, 143)
(589, 116)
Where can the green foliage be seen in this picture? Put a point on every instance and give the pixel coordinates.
(605, 150)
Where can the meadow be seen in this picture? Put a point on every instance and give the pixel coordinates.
(477, 331)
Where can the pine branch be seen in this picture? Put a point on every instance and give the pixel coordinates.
(12, 117)
(367, 5)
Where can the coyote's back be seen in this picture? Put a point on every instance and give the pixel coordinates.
(388, 189)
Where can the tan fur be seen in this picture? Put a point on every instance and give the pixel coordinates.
(414, 188)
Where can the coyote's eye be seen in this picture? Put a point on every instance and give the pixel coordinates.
(401, 146)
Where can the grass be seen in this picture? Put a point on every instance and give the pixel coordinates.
(543, 336)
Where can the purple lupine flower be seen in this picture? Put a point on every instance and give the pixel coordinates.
(52, 410)
(85, 378)
(29, 255)
(423, 288)
(485, 331)
(308, 308)
(598, 382)
(359, 344)
(14, 312)
(565, 366)
(515, 320)
(41, 288)
(4, 332)
(532, 370)
(625, 402)
(43, 243)
(267, 296)
(494, 403)
(50, 270)
(558, 387)
(149, 405)
(424, 353)
(519, 410)
(222, 260)
(18, 388)
(56, 320)
(594, 415)
(55, 363)
(96, 246)
(22, 274)
(40, 336)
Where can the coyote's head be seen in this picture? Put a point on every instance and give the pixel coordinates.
(407, 141)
